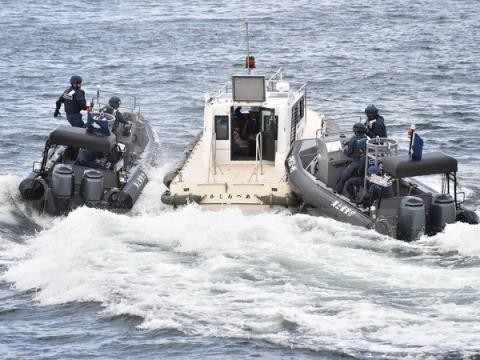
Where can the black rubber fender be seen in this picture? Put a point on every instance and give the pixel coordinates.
(467, 216)
(168, 178)
(31, 188)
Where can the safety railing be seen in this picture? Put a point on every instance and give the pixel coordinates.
(295, 87)
(128, 102)
(377, 149)
(258, 157)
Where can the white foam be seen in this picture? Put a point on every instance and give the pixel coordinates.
(460, 237)
(9, 197)
(296, 280)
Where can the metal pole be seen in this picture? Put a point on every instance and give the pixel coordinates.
(455, 188)
(305, 105)
(248, 47)
(412, 133)
(98, 96)
(261, 154)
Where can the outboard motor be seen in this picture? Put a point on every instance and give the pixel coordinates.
(62, 186)
(443, 211)
(91, 188)
(411, 222)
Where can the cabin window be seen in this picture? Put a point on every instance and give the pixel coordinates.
(221, 127)
(298, 112)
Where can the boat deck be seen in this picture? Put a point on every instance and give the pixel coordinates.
(241, 182)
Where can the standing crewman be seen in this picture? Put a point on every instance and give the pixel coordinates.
(375, 123)
(353, 150)
(74, 101)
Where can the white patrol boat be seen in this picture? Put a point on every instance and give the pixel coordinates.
(239, 157)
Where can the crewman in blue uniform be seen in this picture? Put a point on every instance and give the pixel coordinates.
(353, 151)
(357, 179)
(375, 123)
(375, 192)
(74, 101)
(113, 109)
(115, 102)
(87, 157)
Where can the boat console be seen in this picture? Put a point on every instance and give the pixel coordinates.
(330, 159)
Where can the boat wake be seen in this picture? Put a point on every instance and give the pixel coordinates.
(294, 280)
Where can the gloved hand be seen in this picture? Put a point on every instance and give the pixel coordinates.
(56, 113)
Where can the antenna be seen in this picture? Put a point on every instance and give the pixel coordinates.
(98, 96)
(250, 60)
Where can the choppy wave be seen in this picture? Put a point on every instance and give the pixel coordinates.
(296, 281)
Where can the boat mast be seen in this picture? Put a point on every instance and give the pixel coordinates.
(248, 46)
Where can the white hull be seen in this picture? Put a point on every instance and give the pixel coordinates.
(245, 184)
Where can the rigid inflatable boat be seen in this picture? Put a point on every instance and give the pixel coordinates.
(59, 184)
(315, 165)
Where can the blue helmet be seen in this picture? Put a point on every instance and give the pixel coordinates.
(362, 143)
(75, 79)
(371, 111)
(114, 102)
(373, 170)
(359, 128)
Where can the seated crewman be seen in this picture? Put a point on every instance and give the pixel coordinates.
(354, 151)
(239, 118)
(87, 157)
(240, 146)
(375, 192)
(358, 176)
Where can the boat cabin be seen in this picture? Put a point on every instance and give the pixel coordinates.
(249, 126)
(254, 119)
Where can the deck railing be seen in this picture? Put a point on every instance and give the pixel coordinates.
(128, 102)
(258, 157)
(297, 88)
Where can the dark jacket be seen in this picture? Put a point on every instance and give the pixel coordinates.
(374, 192)
(73, 100)
(377, 128)
(352, 150)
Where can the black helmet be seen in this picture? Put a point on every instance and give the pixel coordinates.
(75, 79)
(359, 128)
(114, 102)
(371, 111)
